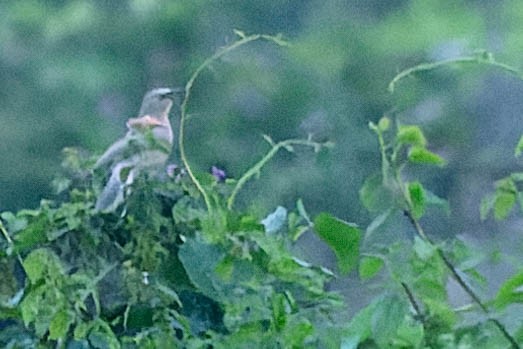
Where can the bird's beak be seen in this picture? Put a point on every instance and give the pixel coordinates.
(169, 93)
(175, 93)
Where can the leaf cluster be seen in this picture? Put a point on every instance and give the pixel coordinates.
(161, 272)
(415, 310)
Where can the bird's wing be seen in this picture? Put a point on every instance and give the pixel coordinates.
(120, 150)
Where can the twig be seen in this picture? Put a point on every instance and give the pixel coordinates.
(11, 245)
(5, 233)
(460, 280)
(412, 301)
(480, 58)
(254, 170)
(188, 87)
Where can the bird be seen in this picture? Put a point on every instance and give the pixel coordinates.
(144, 148)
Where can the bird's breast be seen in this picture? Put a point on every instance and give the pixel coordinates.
(164, 134)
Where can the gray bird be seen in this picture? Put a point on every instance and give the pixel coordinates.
(145, 147)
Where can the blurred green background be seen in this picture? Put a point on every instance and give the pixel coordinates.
(73, 71)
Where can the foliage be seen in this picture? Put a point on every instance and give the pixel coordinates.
(179, 266)
(160, 275)
(418, 269)
(86, 64)
(164, 271)
(507, 193)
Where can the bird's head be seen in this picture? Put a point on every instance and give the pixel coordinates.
(157, 102)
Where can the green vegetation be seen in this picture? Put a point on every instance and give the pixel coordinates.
(178, 266)
(364, 191)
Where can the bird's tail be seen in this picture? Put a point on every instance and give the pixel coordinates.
(113, 193)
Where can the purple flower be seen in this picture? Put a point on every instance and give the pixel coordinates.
(218, 173)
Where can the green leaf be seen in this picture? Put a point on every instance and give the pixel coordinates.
(432, 199)
(103, 337)
(440, 309)
(139, 316)
(184, 212)
(369, 266)
(386, 318)
(42, 263)
(343, 238)
(417, 198)
(487, 204)
(411, 135)
(225, 268)
(40, 306)
(511, 291)
(424, 250)
(359, 328)
(384, 124)
(289, 148)
(32, 235)
(240, 33)
(60, 325)
(169, 292)
(13, 223)
(30, 305)
(421, 155)
(269, 140)
(200, 261)
(410, 334)
(373, 127)
(295, 334)
(516, 176)
(280, 309)
(504, 201)
(378, 222)
(82, 330)
(519, 147)
(506, 184)
(374, 195)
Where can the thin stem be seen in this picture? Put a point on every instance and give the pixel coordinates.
(385, 164)
(188, 87)
(459, 279)
(384, 159)
(416, 225)
(412, 300)
(480, 58)
(254, 170)
(5, 234)
(10, 242)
